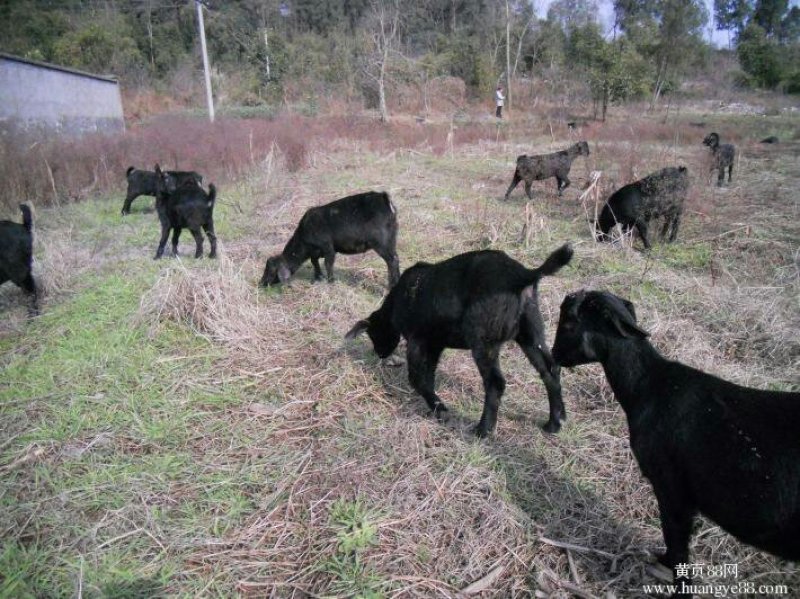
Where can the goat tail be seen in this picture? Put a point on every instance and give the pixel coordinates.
(129, 171)
(212, 194)
(555, 261)
(27, 218)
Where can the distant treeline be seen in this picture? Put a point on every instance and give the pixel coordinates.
(263, 49)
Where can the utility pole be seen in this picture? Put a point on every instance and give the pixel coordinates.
(206, 70)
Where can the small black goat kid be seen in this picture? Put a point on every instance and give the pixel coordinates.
(351, 225)
(728, 452)
(538, 168)
(184, 207)
(16, 256)
(143, 183)
(476, 301)
(662, 193)
(723, 156)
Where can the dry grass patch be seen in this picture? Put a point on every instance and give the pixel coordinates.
(269, 458)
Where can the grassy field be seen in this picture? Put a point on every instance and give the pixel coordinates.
(169, 429)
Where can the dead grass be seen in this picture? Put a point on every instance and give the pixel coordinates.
(317, 470)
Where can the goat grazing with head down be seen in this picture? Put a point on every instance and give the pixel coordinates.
(707, 446)
(537, 168)
(659, 194)
(352, 225)
(476, 301)
(723, 156)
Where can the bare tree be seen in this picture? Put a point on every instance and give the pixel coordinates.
(383, 24)
(508, 55)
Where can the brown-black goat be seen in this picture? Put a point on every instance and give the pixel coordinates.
(723, 156)
(143, 183)
(662, 193)
(538, 168)
(351, 225)
(476, 301)
(16, 256)
(184, 207)
(707, 445)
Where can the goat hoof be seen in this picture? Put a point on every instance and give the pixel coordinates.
(552, 426)
(440, 412)
(480, 431)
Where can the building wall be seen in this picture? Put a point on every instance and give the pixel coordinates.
(44, 98)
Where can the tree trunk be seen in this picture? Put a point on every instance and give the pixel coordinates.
(519, 45)
(266, 55)
(605, 101)
(150, 33)
(382, 91)
(508, 56)
(660, 78)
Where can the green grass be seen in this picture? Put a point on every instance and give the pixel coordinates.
(110, 404)
(165, 459)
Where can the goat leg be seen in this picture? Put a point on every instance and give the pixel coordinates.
(514, 182)
(212, 238)
(198, 240)
(487, 359)
(330, 256)
(422, 361)
(641, 226)
(163, 242)
(176, 233)
(29, 285)
(531, 341)
(392, 263)
(317, 269)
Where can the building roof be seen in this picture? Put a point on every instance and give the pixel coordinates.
(55, 67)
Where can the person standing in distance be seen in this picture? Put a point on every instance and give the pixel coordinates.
(499, 99)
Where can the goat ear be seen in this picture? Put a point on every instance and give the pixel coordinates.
(284, 274)
(624, 324)
(630, 308)
(358, 328)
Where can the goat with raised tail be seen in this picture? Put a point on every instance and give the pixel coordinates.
(723, 156)
(475, 301)
(184, 207)
(707, 446)
(16, 256)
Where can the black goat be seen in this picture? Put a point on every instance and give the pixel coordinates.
(16, 256)
(728, 452)
(476, 301)
(723, 156)
(184, 207)
(662, 193)
(143, 183)
(538, 168)
(351, 225)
